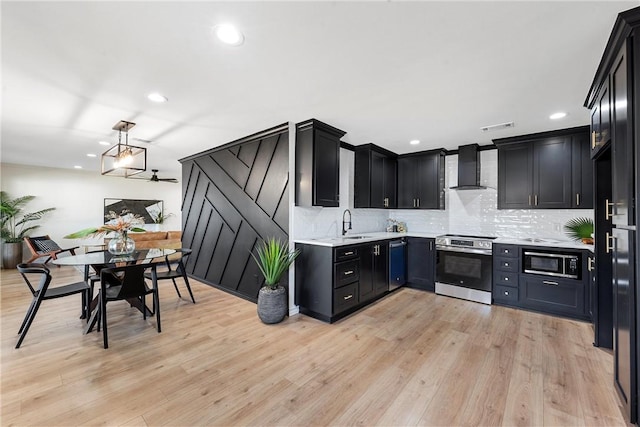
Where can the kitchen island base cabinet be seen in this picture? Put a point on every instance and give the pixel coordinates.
(333, 282)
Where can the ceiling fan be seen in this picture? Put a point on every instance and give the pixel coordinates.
(154, 178)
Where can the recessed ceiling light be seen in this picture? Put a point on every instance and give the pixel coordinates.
(77, 167)
(156, 97)
(229, 34)
(414, 142)
(91, 155)
(104, 143)
(556, 116)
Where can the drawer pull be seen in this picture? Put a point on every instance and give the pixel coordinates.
(348, 297)
(348, 253)
(506, 264)
(348, 272)
(550, 283)
(506, 251)
(506, 293)
(506, 279)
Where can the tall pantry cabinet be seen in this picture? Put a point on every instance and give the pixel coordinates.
(614, 101)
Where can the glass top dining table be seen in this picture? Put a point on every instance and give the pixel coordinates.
(105, 257)
(102, 259)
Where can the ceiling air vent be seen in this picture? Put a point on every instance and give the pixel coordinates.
(497, 127)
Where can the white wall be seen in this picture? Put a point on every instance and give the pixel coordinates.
(78, 197)
(467, 212)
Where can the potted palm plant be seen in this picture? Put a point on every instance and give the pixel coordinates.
(274, 259)
(15, 225)
(580, 229)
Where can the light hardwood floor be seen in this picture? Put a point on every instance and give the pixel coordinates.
(413, 358)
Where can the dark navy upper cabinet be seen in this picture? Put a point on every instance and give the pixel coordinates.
(548, 170)
(375, 177)
(317, 164)
(421, 180)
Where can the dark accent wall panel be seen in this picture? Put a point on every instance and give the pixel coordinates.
(233, 197)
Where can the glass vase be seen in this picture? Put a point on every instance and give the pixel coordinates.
(121, 245)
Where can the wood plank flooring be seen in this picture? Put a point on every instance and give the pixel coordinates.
(413, 358)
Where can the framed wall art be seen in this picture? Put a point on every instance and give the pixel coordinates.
(149, 210)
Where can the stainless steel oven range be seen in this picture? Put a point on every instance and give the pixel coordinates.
(464, 267)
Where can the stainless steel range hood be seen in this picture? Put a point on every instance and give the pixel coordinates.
(468, 168)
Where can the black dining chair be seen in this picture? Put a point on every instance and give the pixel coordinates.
(92, 273)
(176, 270)
(125, 283)
(45, 292)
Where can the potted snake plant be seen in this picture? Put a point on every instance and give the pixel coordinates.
(274, 259)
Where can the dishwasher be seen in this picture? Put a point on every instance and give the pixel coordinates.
(397, 264)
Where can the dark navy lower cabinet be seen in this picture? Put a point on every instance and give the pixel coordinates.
(421, 263)
(536, 292)
(333, 282)
(565, 297)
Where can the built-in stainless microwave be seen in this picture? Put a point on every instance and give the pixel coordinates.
(552, 263)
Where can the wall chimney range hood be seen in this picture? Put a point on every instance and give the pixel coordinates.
(468, 168)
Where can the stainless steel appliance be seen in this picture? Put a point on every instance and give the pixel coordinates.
(464, 267)
(552, 263)
(397, 263)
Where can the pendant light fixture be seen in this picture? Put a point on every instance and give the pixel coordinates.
(123, 159)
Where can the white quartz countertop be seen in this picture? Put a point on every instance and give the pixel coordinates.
(550, 243)
(352, 239)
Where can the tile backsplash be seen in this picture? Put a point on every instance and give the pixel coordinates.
(467, 211)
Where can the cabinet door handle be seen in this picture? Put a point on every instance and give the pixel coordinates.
(607, 214)
(418, 202)
(591, 264)
(348, 253)
(348, 272)
(593, 139)
(414, 203)
(550, 283)
(529, 199)
(609, 238)
(385, 202)
(535, 199)
(348, 297)
(577, 199)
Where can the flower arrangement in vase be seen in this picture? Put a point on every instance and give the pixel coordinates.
(120, 224)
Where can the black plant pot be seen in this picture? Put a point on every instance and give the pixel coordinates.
(272, 304)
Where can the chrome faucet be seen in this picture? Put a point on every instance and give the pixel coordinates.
(345, 222)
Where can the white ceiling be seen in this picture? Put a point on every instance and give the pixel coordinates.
(384, 72)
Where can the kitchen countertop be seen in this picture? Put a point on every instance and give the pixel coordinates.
(353, 239)
(550, 243)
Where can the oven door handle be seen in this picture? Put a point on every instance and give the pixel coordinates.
(463, 250)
